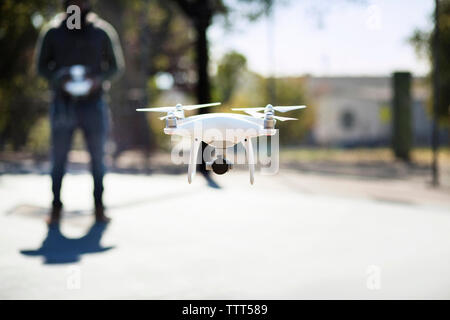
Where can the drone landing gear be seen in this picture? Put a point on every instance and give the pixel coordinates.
(195, 146)
(250, 158)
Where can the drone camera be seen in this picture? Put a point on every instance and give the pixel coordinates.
(219, 166)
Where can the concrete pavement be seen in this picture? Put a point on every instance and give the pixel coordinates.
(289, 236)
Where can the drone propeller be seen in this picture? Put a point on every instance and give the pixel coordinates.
(288, 108)
(271, 108)
(262, 115)
(178, 107)
(283, 118)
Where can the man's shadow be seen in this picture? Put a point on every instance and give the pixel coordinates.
(57, 249)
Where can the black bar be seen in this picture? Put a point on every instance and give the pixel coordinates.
(230, 309)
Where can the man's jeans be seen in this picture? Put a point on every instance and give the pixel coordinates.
(91, 116)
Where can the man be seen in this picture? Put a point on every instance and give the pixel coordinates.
(93, 44)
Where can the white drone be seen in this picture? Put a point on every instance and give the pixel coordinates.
(215, 130)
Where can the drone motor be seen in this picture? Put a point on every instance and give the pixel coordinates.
(269, 121)
(171, 120)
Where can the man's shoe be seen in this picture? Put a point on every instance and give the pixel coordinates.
(100, 216)
(55, 215)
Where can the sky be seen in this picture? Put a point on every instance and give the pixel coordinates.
(369, 38)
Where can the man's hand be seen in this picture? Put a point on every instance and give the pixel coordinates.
(96, 85)
(60, 79)
(62, 83)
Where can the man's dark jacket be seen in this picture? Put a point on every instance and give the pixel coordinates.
(95, 46)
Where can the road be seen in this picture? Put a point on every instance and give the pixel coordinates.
(290, 236)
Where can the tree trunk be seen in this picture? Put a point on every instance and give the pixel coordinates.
(203, 90)
(200, 12)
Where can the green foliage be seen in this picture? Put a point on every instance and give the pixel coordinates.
(22, 95)
(423, 43)
(291, 91)
(229, 70)
(39, 138)
(250, 90)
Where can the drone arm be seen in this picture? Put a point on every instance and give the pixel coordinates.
(195, 145)
(250, 158)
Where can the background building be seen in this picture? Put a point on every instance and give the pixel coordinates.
(356, 111)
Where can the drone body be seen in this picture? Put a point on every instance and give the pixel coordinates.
(221, 131)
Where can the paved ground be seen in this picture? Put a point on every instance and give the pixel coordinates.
(291, 236)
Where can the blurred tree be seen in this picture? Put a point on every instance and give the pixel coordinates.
(229, 70)
(201, 13)
(23, 97)
(436, 45)
(291, 91)
(250, 91)
(423, 42)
